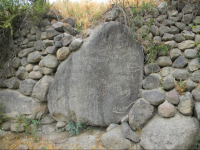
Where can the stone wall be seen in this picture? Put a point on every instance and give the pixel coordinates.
(99, 79)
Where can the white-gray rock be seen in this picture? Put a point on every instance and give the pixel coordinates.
(166, 110)
(186, 45)
(190, 53)
(196, 93)
(180, 74)
(173, 97)
(193, 65)
(49, 61)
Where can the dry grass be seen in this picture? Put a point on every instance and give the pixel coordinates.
(86, 12)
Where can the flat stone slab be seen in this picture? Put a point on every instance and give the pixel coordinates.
(104, 76)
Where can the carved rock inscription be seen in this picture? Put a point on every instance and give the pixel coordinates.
(99, 83)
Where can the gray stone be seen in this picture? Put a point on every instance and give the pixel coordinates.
(190, 53)
(69, 29)
(179, 131)
(186, 45)
(35, 75)
(196, 76)
(179, 38)
(51, 49)
(48, 43)
(166, 110)
(26, 86)
(70, 21)
(172, 13)
(31, 44)
(141, 112)
(87, 68)
(173, 97)
(60, 124)
(9, 72)
(16, 62)
(171, 44)
(154, 97)
(164, 61)
(197, 110)
(180, 62)
(22, 73)
(36, 68)
(180, 74)
(58, 26)
(25, 32)
(49, 61)
(25, 52)
(163, 30)
(40, 89)
(187, 19)
(12, 83)
(114, 139)
(168, 37)
(6, 126)
(2, 85)
(58, 38)
(45, 23)
(111, 126)
(168, 83)
(193, 65)
(58, 44)
(180, 25)
(13, 102)
(43, 36)
(63, 53)
(188, 35)
(67, 39)
(38, 110)
(190, 85)
(50, 33)
(166, 71)
(189, 8)
(154, 30)
(151, 68)
(161, 18)
(128, 133)
(112, 15)
(34, 57)
(196, 20)
(46, 71)
(175, 53)
(75, 44)
(38, 45)
(197, 38)
(196, 29)
(162, 7)
(188, 28)
(47, 119)
(32, 38)
(151, 82)
(34, 30)
(29, 67)
(168, 22)
(186, 104)
(24, 61)
(157, 39)
(174, 30)
(174, 19)
(196, 93)
(25, 41)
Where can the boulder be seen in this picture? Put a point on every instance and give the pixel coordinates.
(50, 33)
(180, 74)
(190, 53)
(69, 29)
(196, 76)
(97, 71)
(46, 71)
(154, 97)
(26, 86)
(196, 94)
(16, 62)
(186, 104)
(190, 85)
(22, 73)
(63, 53)
(34, 57)
(166, 71)
(38, 45)
(175, 53)
(164, 61)
(75, 44)
(12, 83)
(179, 38)
(151, 68)
(29, 67)
(186, 45)
(35, 75)
(51, 49)
(141, 112)
(67, 39)
(173, 97)
(178, 132)
(193, 65)
(180, 62)
(47, 119)
(49, 61)
(168, 83)
(151, 82)
(180, 25)
(24, 61)
(166, 110)
(25, 52)
(41, 88)
(115, 139)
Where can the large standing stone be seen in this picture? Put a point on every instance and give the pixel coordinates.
(107, 69)
(140, 114)
(41, 88)
(178, 132)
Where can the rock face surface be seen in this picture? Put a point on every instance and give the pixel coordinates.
(104, 76)
(173, 133)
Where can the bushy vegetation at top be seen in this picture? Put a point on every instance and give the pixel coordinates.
(13, 11)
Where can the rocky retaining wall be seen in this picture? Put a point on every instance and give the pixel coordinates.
(99, 80)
